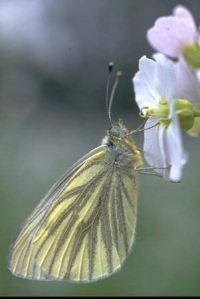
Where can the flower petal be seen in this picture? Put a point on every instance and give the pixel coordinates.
(187, 84)
(170, 34)
(182, 12)
(143, 83)
(163, 148)
(175, 155)
(153, 149)
(165, 77)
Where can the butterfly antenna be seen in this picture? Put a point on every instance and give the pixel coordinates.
(110, 68)
(110, 101)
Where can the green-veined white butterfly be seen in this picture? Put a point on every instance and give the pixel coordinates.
(84, 228)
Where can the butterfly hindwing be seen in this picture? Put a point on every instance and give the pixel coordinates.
(84, 228)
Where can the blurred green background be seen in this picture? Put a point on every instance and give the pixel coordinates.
(53, 70)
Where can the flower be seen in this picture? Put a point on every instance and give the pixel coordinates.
(154, 86)
(176, 35)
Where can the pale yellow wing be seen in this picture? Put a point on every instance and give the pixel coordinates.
(84, 228)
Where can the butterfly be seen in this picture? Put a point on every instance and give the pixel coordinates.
(84, 228)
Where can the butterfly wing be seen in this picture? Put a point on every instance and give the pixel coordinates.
(84, 228)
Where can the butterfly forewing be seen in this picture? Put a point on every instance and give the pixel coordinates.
(84, 228)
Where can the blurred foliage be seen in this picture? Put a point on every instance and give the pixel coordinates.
(53, 70)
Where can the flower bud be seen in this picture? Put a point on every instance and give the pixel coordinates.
(191, 53)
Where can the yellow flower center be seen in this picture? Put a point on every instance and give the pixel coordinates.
(183, 108)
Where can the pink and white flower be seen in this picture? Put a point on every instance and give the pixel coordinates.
(154, 86)
(170, 34)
